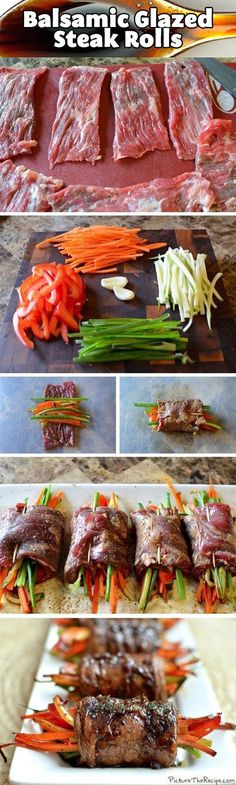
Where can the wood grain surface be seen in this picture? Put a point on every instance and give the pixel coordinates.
(212, 351)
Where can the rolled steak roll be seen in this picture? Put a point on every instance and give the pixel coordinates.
(212, 535)
(125, 636)
(135, 732)
(36, 533)
(98, 538)
(185, 416)
(118, 675)
(160, 542)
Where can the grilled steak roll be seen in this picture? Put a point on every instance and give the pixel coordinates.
(119, 675)
(160, 542)
(131, 637)
(116, 732)
(212, 536)
(187, 415)
(99, 538)
(54, 434)
(36, 534)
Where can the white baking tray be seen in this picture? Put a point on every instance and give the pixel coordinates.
(58, 599)
(196, 697)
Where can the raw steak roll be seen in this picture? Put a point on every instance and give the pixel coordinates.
(160, 542)
(56, 434)
(128, 637)
(186, 416)
(115, 732)
(212, 536)
(99, 538)
(36, 534)
(117, 675)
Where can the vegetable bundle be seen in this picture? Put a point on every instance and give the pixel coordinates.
(107, 340)
(50, 302)
(97, 249)
(183, 282)
(66, 411)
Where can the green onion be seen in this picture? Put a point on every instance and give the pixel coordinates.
(22, 575)
(110, 571)
(76, 585)
(152, 584)
(147, 405)
(46, 496)
(145, 591)
(140, 506)
(107, 340)
(96, 500)
(230, 584)
(180, 584)
(191, 750)
(31, 572)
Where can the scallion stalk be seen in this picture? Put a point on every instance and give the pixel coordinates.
(145, 590)
(180, 584)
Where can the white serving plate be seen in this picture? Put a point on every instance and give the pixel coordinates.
(196, 697)
(58, 599)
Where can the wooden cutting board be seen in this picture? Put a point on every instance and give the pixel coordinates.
(212, 352)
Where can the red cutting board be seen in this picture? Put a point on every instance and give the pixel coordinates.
(105, 172)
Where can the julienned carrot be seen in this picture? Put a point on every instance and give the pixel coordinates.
(176, 495)
(50, 301)
(55, 500)
(113, 594)
(24, 601)
(95, 249)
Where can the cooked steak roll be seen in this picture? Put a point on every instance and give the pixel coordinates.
(212, 536)
(118, 675)
(187, 415)
(135, 732)
(98, 538)
(160, 542)
(125, 636)
(36, 533)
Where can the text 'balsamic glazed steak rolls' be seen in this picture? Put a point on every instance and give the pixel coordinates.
(125, 636)
(160, 541)
(119, 675)
(186, 416)
(36, 533)
(99, 538)
(115, 732)
(212, 536)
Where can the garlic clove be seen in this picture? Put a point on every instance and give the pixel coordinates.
(123, 294)
(110, 283)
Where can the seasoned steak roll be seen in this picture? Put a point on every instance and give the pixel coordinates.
(183, 416)
(53, 433)
(160, 542)
(98, 538)
(115, 732)
(119, 675)
(36, 534)
(131, 637)
(212, 536)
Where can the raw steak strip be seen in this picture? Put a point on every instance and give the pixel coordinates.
(216, 160)
(22, 190)
(56, 434)
(98, 537)
(17, 110)
(159, 532)
(139, 124)
(38, 532)
(186, 193)
(190, 104)
(75, 131)
(211, 531)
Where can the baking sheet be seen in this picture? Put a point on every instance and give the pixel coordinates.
(20, 434)
(105, 172)
(136, 436)
(196, 697)
(58, 598)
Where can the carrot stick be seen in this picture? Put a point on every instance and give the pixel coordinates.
(177, 496)
(113, 594)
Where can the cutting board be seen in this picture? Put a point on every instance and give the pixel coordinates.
(212, 352)
(106, 172)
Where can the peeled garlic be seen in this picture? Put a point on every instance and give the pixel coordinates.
(123, 294)
(110, 283)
